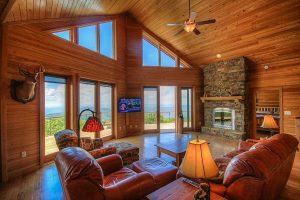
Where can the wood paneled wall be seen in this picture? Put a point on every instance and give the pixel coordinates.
(139, 76)
(30, 47)
(291, 102)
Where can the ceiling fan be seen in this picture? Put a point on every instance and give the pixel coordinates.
(190, 25)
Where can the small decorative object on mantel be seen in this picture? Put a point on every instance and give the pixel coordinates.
(24, 91)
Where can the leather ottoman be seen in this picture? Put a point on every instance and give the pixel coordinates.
(127, 151)
(162, 172)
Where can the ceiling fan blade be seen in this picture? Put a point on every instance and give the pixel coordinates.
(174, 24)
(196, 31)
(210, 21)
(193, 16)
(182, 30)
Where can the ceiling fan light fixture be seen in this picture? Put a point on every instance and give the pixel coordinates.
(189, 27)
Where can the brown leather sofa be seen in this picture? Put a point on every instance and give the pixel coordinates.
(84, 177)
(257, 170)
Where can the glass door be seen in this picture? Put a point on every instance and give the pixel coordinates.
(167, 101)
(106, 109)
(186, 107)
(55, 110)
(150, 108)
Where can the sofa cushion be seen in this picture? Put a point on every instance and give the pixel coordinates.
(118, 176)
(287, 140)
(274, 146)
(86, 143)
(233, 153)
(258, 163)
(66, 138)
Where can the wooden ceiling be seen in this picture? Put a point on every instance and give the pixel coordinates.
(266, 31)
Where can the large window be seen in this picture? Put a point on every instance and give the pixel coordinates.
(150, 54)
(106, 109)
(106, 39)
(55, 110)
(66, 34)
(155, 54)
(98, 37)
(167, 60)
(87, 100)
(87, 37)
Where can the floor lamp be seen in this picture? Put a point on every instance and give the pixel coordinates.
(92, 124)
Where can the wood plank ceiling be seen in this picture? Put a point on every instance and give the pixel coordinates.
(266, 31)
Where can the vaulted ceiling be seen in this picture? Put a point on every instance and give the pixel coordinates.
(266, 31)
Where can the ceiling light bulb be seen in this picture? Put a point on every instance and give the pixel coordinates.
(189, 27)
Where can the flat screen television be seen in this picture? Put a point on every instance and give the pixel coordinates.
(130, 105)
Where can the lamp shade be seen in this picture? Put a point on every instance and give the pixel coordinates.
(269, 122)
(92, 124)
(198, 161)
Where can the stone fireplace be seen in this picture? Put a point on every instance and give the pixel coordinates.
(227, 118)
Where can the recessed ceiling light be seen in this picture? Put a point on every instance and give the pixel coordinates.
(219, 55)
(266, 66)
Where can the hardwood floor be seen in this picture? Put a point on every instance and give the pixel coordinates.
(45, 183)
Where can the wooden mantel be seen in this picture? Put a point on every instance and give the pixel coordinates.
(229, 98)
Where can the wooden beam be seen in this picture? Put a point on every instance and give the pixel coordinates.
(7, 9)
(235, 98)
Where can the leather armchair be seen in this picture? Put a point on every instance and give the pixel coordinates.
(105, 178)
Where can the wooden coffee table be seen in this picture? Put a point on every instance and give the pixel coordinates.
(178, 190)
(175, 149)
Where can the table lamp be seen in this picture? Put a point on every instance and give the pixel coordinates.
(269, 123)
(198, 163)
(92, 124)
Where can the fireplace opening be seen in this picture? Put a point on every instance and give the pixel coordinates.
(224, 118)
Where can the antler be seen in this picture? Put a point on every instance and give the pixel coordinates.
(40, 70)
(23, 71)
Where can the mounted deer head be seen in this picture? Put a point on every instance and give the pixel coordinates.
(24, 91)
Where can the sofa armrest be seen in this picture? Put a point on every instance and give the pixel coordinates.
(105, 151)
(219, 189)
(110, 164)
(135, 187)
